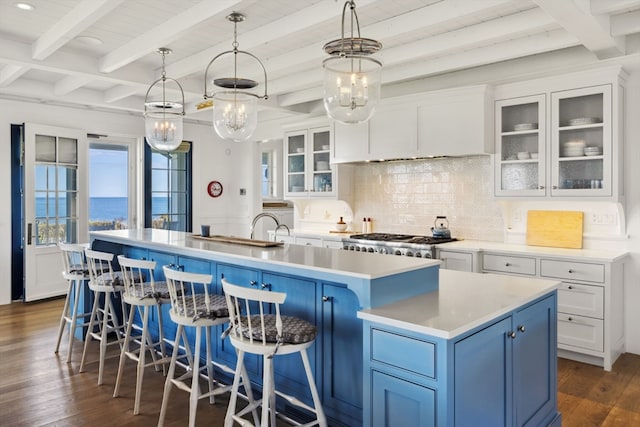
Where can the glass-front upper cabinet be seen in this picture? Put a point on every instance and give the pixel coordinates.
(308, 170)
(581, 148)
(520, 146)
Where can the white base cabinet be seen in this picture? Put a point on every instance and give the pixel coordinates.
(590, 297)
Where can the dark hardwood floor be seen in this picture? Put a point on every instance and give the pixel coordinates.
(38, 388)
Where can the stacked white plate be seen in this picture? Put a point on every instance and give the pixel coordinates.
(592, 150)
(573, 148)
(580, 121)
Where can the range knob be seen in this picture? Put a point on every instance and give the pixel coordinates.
(409, 253)
(383, 250)
(397, 252)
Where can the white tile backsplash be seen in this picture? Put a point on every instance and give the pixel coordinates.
(406, 196)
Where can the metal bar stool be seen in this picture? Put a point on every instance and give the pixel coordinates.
(253, 330)
(193, 306)
(141, 292)
(76, 274)
(104, 282)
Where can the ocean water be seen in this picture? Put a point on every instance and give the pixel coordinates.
(100, 208)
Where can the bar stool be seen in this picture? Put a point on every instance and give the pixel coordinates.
(141, 292)
(76, 274)
(104, 282)
(193, 306)
(267, 335)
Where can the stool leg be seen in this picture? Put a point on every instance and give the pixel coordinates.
(123, 355)
(195, 383)
(63, 318)
(108, 312)
(233, 398)
(317, 404)
(167, 382)
(94, 315)
(74, 317)
(267, 386)
(163, 349)
(210, 370)
(141, 357)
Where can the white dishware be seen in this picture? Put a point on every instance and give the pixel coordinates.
(325, 147)
(592, 151)
(523, 155)
(573, 148)
(322, 165)
(534, 155)
(300, 150)
(580, 121)
(525, 126)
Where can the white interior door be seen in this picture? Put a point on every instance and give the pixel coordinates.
(55, 204)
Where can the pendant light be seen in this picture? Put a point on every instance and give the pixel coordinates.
(235, 110)
(163, 118)
(351, 76)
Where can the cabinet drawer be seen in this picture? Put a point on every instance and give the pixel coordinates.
(584, 300)
(571, 270)
(580, 331)
(509, 264)
(403, 352)
(460, 261)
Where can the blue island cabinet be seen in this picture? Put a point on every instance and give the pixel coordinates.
(502, 373)
(335, 356)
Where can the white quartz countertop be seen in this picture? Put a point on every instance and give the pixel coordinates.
(462, 302)
(326, 235)
(484, 246)
(319, 259)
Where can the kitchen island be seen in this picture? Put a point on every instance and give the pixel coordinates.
(324, 286)
(479, 351)
(391, 294)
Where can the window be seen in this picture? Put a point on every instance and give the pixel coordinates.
(111, 190)
(56, 189)
(270, 169)
(168, 188)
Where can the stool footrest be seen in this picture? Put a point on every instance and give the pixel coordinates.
(294, 401)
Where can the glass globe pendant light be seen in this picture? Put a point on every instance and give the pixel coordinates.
(351, 76)
(163, 127)
(235, 110)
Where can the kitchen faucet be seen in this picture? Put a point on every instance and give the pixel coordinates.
(285, 226)
(262, 215)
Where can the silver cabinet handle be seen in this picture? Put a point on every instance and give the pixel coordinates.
(253, 283)
(511, 335)
(555, 187)
(521, 328)
(540, 187)
(325, 298)
(506, 264)
(570, 271)
(570, 287)
(265, 286)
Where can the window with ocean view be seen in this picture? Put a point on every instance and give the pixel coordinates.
(108, 186)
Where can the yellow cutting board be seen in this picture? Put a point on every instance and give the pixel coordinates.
(556, 229)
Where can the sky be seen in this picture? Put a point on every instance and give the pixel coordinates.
(107, 173)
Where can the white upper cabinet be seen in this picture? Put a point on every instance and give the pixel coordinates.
(453, 122)
(566, 141)
(581, 153)
(520, 146)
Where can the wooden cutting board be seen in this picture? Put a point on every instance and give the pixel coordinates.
(238, 240)
(556, 229)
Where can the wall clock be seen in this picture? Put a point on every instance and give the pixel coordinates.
(214, 188)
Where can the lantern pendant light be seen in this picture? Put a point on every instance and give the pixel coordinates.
(235, 110)
(163, 118)
(351, 76)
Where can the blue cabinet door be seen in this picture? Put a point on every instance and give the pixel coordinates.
(301, 302)
(342, 393)
(535, 363)
(482, 379)
(135, 252)
(396, 402)
(225, 352)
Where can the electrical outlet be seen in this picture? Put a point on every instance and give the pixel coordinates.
(517, 215)
(604, 219)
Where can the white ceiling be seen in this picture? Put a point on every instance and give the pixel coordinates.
(44, 59)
